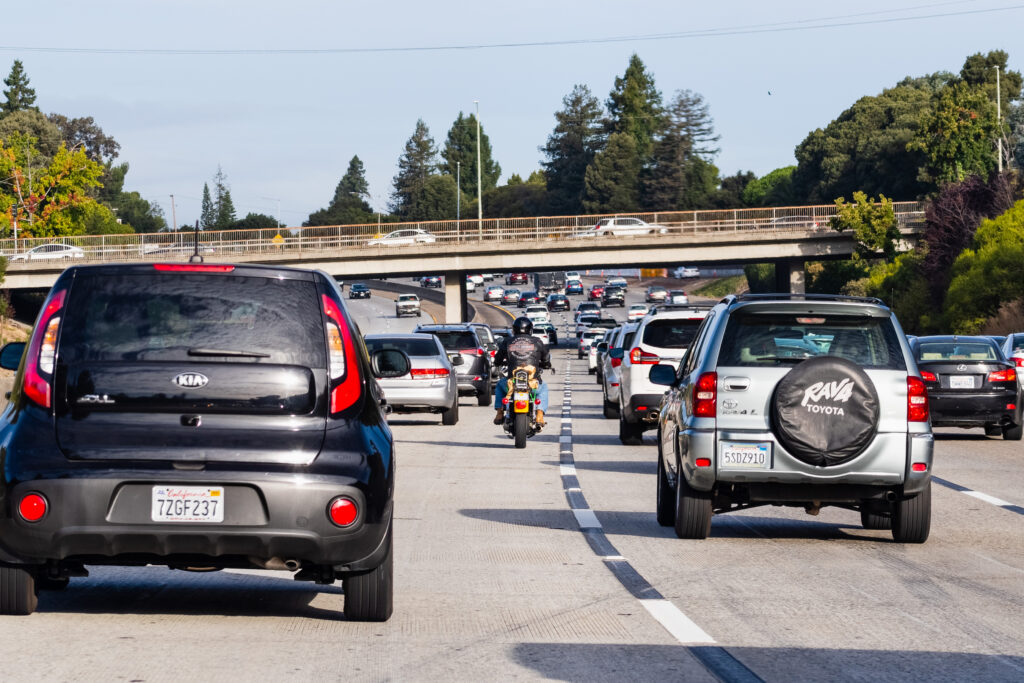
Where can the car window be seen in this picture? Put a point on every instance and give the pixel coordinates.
(456, 340)
(408, 297)
(1017, 341)
(670, 334)
(956, 351)
(413, 347)
(697, 348)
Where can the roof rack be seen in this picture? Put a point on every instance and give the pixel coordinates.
(804, 297)
(680, 307)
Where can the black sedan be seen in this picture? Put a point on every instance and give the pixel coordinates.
(558, 302)
(527, 298)
(359, 291)
(970, 384)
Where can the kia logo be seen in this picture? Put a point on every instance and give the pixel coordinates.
(191, 380)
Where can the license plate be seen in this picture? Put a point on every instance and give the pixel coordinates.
(961, 382)
(188, 504)
(521, 396)
(756, 456)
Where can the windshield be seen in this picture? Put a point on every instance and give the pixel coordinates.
(413, 347)
(671, 334)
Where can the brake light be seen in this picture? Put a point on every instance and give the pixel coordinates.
(919, 467)
(473, 352)
(917, 400)
(492, 352)
(42, 352)
(341, 359)
(704, 395)
(429, 373)
(1018, 361)
(192, 268)
(343, 512)
(703, 462)
(1007, 375)
(640, 357)
(929, 376)
(616, 362)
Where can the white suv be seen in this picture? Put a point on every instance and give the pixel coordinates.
(662, 337)
(610, 364)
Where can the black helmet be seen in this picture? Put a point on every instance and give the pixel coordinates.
(522, 325)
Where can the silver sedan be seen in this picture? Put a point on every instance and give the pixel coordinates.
(431, 384)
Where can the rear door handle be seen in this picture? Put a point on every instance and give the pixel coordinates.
(736, 383)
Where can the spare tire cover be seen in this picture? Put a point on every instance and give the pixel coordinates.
(825, 411)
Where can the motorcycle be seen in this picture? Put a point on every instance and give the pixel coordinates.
(521, 403)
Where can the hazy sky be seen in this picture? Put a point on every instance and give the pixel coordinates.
(190, 84)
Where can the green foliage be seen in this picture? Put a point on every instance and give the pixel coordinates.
(208, 213)
(701, 189)
(85, 133)
(514, 200)
(353, 183)
(989, 274)
(255, 221)
(690, 118)
(570, 149)
(435, 200)
(93, 218)
(611, 179)
(833, 277)
(731, 189)
(773, 189)
(634, 107)
(32, 124)
(224, 208)
(760, 277)
(460, 147)
(349, 206)
(902, 285)
(138, 214)
(723, 286)
(19, 96)
(1014, 144)
(415, 166)
(957, 138)
(979, 72)
(873, 225)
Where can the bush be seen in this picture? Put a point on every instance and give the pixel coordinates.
(760, 277)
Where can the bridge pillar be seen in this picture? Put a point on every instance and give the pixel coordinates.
(789, 276)
(455, 304)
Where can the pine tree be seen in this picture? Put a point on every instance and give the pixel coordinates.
(224, 208)
(634, 107)
(688, 117)
(349, 205)
(415, 165)
(570, 148)
(611, 179)
(352, 184)
(208, 214)
(461, 147)
(19, 95)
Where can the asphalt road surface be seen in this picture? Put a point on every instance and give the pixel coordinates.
(547, 563)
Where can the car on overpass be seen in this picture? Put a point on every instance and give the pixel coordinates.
(622, 226)
(50, 252)
(403, 237)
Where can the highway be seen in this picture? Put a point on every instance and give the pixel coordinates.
(548, 563)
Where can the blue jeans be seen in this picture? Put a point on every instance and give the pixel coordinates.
(501, 388)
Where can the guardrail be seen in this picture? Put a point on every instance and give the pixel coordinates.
(178, 245)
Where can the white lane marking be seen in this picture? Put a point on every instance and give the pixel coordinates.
(586, 519)
(613, 558)
(675, 622)
(987, 498)
(565, 439)
(567, 470)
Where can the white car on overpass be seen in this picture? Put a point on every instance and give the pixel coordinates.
(620, 226)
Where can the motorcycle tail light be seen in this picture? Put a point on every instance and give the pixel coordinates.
(522, 405)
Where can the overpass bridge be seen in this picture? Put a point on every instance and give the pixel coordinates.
(786, 236)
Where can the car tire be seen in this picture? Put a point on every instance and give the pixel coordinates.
(666, 498)
(369, 596)
(591, 371)
(418, 314)
(630, 434)
(484, 397)
(1013, 433)
(451, 416)
(993, 430)
(912, 517)
(693, 510)
(17, 591)
(875, 520)
(611, 409)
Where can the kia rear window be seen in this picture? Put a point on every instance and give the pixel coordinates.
(671, 334)
(760, 339)
(413, 347)
(189, 317)
(457, 341)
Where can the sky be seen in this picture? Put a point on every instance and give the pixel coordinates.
(281, 95)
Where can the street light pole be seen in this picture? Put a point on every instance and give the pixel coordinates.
(174, 216)
(458, 190)
(999, 121)
(479, 188)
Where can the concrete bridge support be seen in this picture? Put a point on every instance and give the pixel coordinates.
(456, 306)
(789, 276)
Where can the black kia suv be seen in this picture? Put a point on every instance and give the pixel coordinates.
(200, 417)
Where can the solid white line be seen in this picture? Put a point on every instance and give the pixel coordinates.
(565, 439)
(567, 470)
(586, 519)
(675, 622)
(987, 498)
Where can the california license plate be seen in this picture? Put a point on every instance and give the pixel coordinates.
(188, 504)
(756, 456)
(961, 382)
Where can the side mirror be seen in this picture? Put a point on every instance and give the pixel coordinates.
(457, 360)
(602, 347)
(389, 363)
(10, 355)
(618, 352)
(663, 374)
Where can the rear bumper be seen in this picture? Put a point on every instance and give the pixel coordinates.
(420, 397)
(973, 410)
(642, 409)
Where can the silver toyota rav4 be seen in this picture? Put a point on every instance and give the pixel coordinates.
(796, 400)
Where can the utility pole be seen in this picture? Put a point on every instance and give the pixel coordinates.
(174, 216)
(999, 121)
(479, 188)
(458, 190)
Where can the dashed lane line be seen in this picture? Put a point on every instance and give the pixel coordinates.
(991, 500)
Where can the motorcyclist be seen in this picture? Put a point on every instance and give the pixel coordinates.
(521, 349)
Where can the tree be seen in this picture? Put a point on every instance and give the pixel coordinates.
(32, 124)
(208, 213)
(979, 72)
(18, 93)
(517, 198)
(349, 205)
(701, 185)
(773, 189)
(224, 208)
(139, 214)
(611, 179)
(1015, 141)
(353, 184)
(873, 225)
(570, 149)
(957, 137)
(415, 165)
(634, 107)
(688, 115)
(434, 201)
(84, 131)
(255, 221)
(732, 189)
(460, 146)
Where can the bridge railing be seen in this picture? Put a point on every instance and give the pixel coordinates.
(330, 238)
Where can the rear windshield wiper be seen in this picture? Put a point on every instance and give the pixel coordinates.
(228, 352)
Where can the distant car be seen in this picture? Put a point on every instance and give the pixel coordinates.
(488, 276)
(617, 282)
(655, 294)
(494, 293)
(584, 322)
(637, 311)
(595, 293)
(683, 272)
(510, 296)
(359, 291)
(433, 281)
(49, 252)
(589, 336)
(584, 307)
(430, 386)
(516, 279)
(677, 296)
(470, 285)
(622, 227)
(613, 296)
(794, 222)
(558, 302)
(541, 333)
(571, 276)
(537, 313)
(476, 279)
(550, 329)
(403, 237)
(573, 287)
(407, 304)
(527, 298)
(1013, 349)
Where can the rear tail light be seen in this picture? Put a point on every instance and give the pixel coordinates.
(492, 352)
(640, 357)
(704, 395)
(1019, 362)
(1007, 375)
(919, 467)
(32, 507)
(616, 362)
(917, 400)
(42, 352)
(703, 462)
(341, 360)
(473, 352)
(342, 512)
(429, 373)
(929, 376)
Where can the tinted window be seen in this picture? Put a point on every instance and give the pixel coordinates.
(1018, 341)
(670, 334)
(934, 350)
(159, 318)
(413, 347)
(455, 341)
(776, 339)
